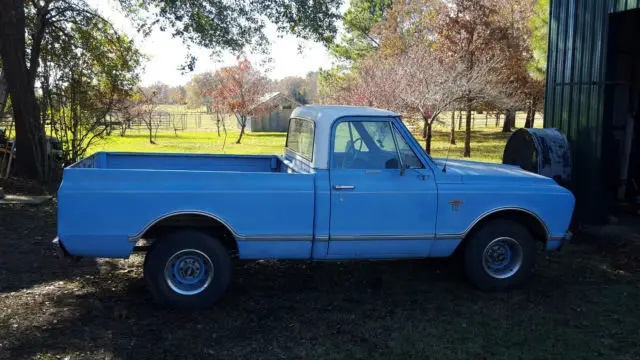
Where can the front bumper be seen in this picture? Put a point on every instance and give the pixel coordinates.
(558, 243)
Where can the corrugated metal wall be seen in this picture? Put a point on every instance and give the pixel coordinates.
(576, 90)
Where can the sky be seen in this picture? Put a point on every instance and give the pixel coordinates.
(165, 54)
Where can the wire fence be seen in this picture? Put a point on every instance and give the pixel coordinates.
(479, 121)
(175, 122)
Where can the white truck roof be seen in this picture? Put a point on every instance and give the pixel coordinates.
(323, 117)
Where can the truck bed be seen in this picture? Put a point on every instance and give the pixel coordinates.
(185, 162)
(108, 200)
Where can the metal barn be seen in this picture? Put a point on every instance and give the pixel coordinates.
(592, 96)
(275, 117)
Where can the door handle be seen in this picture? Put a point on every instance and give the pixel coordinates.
(344, 187)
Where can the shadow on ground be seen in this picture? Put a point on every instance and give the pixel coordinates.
(26, 256)
(576, 306)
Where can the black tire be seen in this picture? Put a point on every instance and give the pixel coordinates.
(499, 233)
(187, 241)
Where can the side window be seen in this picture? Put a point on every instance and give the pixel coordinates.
(364, 145)
(408, 156)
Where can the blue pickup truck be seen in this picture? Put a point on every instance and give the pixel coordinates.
(353, 184)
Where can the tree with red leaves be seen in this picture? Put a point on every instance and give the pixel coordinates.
(239, 90)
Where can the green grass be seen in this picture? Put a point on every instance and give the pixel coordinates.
(196, 142)
(486, 145)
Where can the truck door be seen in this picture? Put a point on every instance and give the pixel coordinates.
(383, 198)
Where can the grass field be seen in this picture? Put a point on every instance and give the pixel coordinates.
(486, 145)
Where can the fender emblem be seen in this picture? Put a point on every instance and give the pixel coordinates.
(455, 204)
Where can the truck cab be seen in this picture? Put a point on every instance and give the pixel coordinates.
(352, 184)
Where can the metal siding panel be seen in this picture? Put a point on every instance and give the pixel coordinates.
(590, 44)
(568, 66)
(561, 65)
(578, 63)
(552, 58)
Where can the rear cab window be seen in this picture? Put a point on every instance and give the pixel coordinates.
(300, 138)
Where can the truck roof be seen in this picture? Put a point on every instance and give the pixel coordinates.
(329, 113)
(324, 116)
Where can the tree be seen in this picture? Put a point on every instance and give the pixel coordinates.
(213, 24)
(471, 36)
(452, 132)
(21, 71)
(539, 27)
(160, 91)
(84, 75)
(177, 95)
(239, 90)
(222, 25)
(126, 112)
(294, 87)
(147, 105)
(359, 20)
(419, 67)
(311, 87)
(429, 85)
(198, 90)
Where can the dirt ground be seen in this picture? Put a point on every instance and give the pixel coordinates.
(583, 303)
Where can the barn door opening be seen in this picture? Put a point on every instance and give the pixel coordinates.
(621, 126)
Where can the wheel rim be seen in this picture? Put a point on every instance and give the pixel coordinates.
(502, 257)
(188, 272)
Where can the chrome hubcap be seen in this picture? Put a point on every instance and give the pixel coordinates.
(188, 272)
(502, 257)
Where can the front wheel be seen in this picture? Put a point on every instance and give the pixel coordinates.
(187, 269)
(499, 255)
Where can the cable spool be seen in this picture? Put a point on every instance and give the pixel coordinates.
(541, 151)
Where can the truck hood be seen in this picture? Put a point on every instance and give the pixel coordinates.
(472, 171)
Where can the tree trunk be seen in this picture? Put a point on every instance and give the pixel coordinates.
(218, 123)
(527, 121)
(532, 121)
(533, 116)
(243, 124)
(467, 132)
(424, 127)
(460, 120)
(509, 120)
(452, 135)
(29, 132)
(486, 119)
(4, 92)
(427, 144)
(151, 134)
(497, 118)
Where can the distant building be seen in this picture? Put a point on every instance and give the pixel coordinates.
(593, 96)
(278, 108)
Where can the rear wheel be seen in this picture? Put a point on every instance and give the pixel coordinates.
(187, 269)
(499, 255)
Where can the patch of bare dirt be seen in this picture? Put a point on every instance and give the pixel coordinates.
(576, 306)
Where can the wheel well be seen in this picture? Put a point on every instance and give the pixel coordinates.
(536, 227)
(202, 222)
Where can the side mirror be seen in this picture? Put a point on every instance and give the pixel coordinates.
(394, 164)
